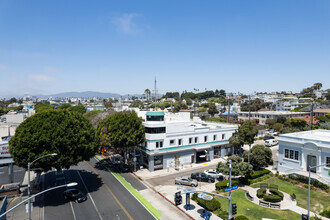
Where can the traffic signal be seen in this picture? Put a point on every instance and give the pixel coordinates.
(234, 209)
(304, 217)
(178, 198)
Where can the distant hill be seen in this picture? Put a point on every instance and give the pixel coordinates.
(87, 94)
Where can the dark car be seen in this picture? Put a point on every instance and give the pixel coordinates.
(74, 195)
(269, 137)
(202, 177)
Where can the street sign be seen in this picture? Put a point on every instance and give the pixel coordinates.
(231, 188)
(4, 150)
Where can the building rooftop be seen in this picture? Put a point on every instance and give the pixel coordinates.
(317, 135)
(326, 110)
(276, 113)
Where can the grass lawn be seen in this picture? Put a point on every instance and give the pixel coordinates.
(253, 211)
(319, 199)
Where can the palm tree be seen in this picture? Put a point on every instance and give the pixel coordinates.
(147, 91)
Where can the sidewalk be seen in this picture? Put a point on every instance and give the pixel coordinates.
(146, 174)
(21, 212)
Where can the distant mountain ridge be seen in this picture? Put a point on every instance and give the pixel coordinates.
(87, 94)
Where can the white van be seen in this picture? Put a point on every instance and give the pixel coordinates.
(271, 142)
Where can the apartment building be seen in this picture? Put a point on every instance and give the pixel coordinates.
(261, 116)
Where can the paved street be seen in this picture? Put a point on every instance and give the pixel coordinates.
(107, 198)
(169, 179)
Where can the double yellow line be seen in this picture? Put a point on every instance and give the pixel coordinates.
(110, 191)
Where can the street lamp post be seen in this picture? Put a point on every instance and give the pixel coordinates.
(309, 185)
(229, 197)
(29, 198)
(229, 206)
(29, 183)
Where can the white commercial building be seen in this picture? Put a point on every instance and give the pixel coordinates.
(301, 150)
(170, 135)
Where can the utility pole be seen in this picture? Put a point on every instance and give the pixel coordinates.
(249, 107)
(311, 120)
(229, 203)
(228, 116)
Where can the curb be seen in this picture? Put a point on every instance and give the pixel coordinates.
(153, 189)
(176, 206)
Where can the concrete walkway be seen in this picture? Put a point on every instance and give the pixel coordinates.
(286, 203)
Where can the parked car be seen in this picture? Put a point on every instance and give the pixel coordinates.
(214, 174)
(115, 159)
(186, 181)
(268, 138)
(271, 142)
(74, 195)
(202, 177)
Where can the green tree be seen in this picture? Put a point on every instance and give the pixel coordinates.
(239, 168)
(259, 155)
(121, 131)
(147, 91)
(212, 109)
(317, 86)
(300, 124)
(66, 133)
(107, 103)
(281, 119)
(278, 127)
(40, 107)
(270, 122)
(64, 106)
(78, 108)
(247, 132)
(236, 141)
(201, 110)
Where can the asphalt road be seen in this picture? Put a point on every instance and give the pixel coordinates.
(18, 172)
(170, 179)
(106, 197)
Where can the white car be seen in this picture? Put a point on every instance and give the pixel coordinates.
(214, 174)
(271, 142)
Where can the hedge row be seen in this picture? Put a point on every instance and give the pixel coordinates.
(222, 185)
(247, 181)
(241, 217)
(325, 213)
(275, 196)
(261, 193)
(259, 173)
(210, 205)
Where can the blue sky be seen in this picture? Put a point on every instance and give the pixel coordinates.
(48, 47)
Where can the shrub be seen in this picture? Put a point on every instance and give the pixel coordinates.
(262, 178)
(211, 205)
(304, 179)
(241, 217)
(259, 173)
(222, 185)
(261, 193)
(293, 196)
(276, 192)
(272, 198)
(325, 213)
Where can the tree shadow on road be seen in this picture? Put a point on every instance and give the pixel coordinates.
(55, 197)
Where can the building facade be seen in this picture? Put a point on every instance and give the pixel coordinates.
(170, 136)
(301, 150)
(261, 116)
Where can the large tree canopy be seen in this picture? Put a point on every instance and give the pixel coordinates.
(239, 168)
(259, 155)
(66, 133)
(121, 130)
(247, 132)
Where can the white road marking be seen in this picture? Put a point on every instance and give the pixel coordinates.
(74, 215)
(89, 195)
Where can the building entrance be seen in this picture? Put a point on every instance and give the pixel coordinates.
(201, 156)
(311, 161)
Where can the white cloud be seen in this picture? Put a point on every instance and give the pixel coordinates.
(41, 78)
(126, 23)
